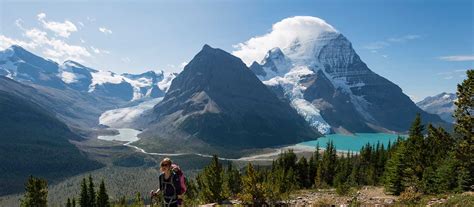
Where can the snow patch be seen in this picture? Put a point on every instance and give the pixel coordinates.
(124, 117)
(165, 84)
(290, 83)
(68, 77)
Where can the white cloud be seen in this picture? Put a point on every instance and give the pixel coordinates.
(90, 19)
(374, 46)
(126, 60)
(404, 38)
(62, 29)
(453, 73)
(6, 42)
(105, 30)
(19, 23)
(458, 58)
(377, 45)
(282, 35)
(99, 51)
(52, 48)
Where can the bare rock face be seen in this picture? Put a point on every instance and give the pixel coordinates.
(219, 101)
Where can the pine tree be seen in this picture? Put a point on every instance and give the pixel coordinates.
(311, 170)
(414, 148)
(68, 203)
(302, 172)
(73, 202)
(102, 196)
(252, 188)
(445, 174)
(437, 143)
(84, 200)
(210, 182)
(464, 127)
(394, 170)
(36, 193)
(328, 166)
(429, 181)
(232, 180)
(91, 192)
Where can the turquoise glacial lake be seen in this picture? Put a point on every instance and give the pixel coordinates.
(353, 142)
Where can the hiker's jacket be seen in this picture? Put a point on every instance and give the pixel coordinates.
(170, 187)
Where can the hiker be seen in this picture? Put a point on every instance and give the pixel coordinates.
(169, 185)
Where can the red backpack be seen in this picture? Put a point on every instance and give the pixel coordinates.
(182, 178)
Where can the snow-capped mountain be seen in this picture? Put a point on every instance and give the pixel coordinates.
(441, 104)
(333, 89)
(21, 65)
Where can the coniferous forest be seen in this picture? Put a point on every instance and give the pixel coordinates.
(430, 160)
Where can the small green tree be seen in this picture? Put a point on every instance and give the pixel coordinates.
(102, 196)
(73, 202)
(91, 192)
(394, 169)
(36, 193)
(252, 188)
(84, 200)
(415, 148)
(210, 182)
(68, 203)
(302, 173)
(232, 182)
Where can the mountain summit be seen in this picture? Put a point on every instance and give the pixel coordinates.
(218, 100)
(322, 77)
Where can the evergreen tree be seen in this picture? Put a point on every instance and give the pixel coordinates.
(210, 182)
(464, 127)
(68, 203)
(394, 170)
(91, 193)
(73, 202)
(191, 195)
(415, 148)
(429, 181)
(311, 170)
(232, 180)
(84, 200)
(302, 173)
(252, 188)
(437, 143)
(445, 174)
(102, 196)
(36, 193)
(328, 165)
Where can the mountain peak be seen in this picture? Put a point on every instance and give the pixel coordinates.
(206, 47)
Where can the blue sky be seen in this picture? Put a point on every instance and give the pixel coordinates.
(423, 46)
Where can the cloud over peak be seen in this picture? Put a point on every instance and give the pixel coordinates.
(105, 30)
(282, 35)
(62, 29)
